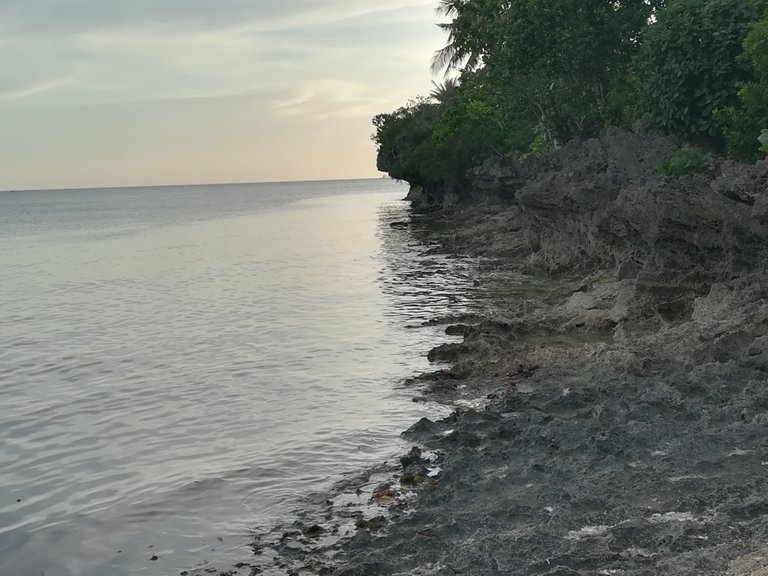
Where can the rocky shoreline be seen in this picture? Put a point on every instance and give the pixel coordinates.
(625, 422)
(627, 432)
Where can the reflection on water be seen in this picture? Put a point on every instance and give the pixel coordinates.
(179, 365)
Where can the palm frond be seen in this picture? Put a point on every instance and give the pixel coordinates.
(446, 8)
(443, 59)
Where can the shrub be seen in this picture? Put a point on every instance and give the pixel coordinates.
(687, 160)
(689, 65)
(742, 121)
(764, 141)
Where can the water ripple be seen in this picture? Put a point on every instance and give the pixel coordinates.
(177, 366)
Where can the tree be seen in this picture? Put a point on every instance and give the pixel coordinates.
(443, 92)
(564, 59)
(469, 33)
(569, 59)
(689, 66)
(743, 121)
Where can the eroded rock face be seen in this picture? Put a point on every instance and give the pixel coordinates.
(602, 204)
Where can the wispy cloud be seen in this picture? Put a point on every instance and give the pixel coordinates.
(280, 63)
(45, 17)
(327, 100)
(19, 94)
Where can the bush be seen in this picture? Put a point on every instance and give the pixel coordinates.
(689, 65)
(398, 136)
(764, 141)
(687, 161)
(742, 121)
(435, 145)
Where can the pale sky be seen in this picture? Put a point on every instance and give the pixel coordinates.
(143, 92)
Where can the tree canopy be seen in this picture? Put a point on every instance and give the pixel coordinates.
(534, 74)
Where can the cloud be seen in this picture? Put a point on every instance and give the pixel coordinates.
(60, 17)
(151, 59)
(222, 69)
(11, 93)
(328, 100)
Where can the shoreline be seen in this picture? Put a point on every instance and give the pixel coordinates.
(626, 386)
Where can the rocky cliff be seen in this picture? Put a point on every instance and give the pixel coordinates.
(602, 204)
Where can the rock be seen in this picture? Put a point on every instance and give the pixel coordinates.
(446, 353)
(371, 524)
(458, 330)
(399, 225)
(313, 531)
(413, 458)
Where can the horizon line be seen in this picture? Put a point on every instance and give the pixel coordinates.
(136, 186)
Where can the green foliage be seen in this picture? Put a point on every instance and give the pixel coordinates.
(689, 65)
(567, 60)
(763, 139)
(687, 160)
(435, 145)
(400, 134)
(756, 46)
(533, 74)
(742, 121)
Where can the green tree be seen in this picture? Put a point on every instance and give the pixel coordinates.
(400, 134)
(470, 33)
(743, 121)
(689, 66)
(566, 61)
(435, 145)
(443, 92)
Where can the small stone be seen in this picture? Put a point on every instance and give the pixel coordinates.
(372, 524)
(313, 531)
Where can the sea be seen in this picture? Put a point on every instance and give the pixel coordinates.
(180, 365)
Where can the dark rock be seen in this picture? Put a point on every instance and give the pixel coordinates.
(314, 531)
(371, 524)
(446, 353)
(458, 330)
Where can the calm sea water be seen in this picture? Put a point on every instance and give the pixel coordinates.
(181, 364)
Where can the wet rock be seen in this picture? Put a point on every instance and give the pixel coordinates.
(446, 353)
(422, 430)
(313, 531)
(371, 524)
(458, 330)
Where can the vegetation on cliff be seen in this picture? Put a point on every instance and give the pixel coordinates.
(531, 75)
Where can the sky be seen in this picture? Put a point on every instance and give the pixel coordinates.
(149, 92)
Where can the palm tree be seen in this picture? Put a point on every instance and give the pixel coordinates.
(444, 91)
(468, 33)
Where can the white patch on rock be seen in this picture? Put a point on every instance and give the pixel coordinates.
(683, 478)
(433, 472)
(672, 517)
(587, 532)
